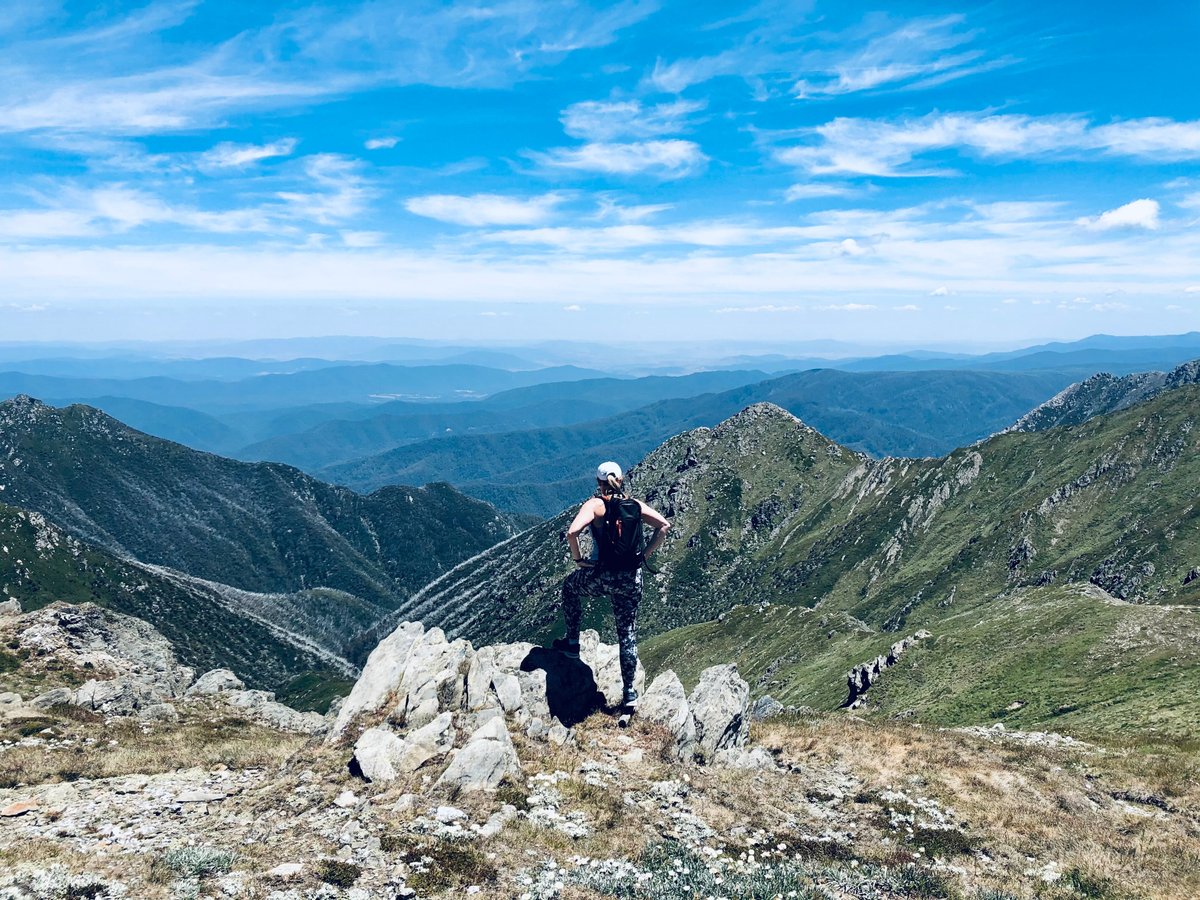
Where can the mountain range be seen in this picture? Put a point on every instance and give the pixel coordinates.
(1058, 571)
(333, 562)
(542, 470)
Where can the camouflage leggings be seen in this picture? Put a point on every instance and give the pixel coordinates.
(625, 591)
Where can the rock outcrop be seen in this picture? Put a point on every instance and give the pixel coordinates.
(131, 669)
(419, 692)
(866, 674)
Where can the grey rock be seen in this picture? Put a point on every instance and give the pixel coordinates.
(377, 754)
(11, 607)
(448, 814)
(766, 707)
(55, 697)
(158, 712)
(862, 676)
(8, 698)
(741, 758)
(719, 706)
(380, 676)
(486, 760)
(216, 681)
(110, 644)
(262, 706)
(666, 704)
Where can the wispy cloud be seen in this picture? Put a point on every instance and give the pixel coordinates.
(884, 148)
(119, 82)
(485, 209)
(660, 159)
(781, 48)
(1138, 214)
(228, 155)
(813, 190)
(597, 120)
(915, 54)
(381, 143)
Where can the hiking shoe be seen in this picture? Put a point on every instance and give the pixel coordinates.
(630, 699)
(569, 649)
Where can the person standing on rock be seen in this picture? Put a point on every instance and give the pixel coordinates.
(614, 569)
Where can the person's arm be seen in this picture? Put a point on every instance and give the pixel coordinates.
(583, 518)
(661, 526)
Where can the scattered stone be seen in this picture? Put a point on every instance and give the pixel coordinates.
(11, 607)
(200, 796)
(346, 800)
(766, 707)
(20, 808)
(287, 871)
(448, 814)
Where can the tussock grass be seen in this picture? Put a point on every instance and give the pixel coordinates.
(86, 749)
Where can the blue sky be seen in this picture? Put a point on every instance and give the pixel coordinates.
(915, 172)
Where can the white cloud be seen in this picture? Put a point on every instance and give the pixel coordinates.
(908, 307)
(662, 159)
(1137, 214)
(610, 209)
(940, 292)
(120, 78)
(573, 307)
(888, 148)
(917, 53)
(485, 209)
(598, 120)
(363, 238)
(382, 143)
(1192, 289)
(765, 308)
(341, 193)
(229, 155)
(811, 190)
(851, 247)
(849, 307)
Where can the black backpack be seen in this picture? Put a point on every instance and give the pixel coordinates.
(621, 540)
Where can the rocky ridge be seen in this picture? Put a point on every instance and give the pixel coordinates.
(1103, 393)
(111, 664)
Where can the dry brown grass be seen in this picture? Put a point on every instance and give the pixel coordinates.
(1052, 804)
(125, 747)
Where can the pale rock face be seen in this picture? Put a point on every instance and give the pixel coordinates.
(486, 760)
(216, 681)
(380, 675)
(10, 608)
(427, 742)
(666, 704)
(378, 753)
(719, 705)
(766, 707)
